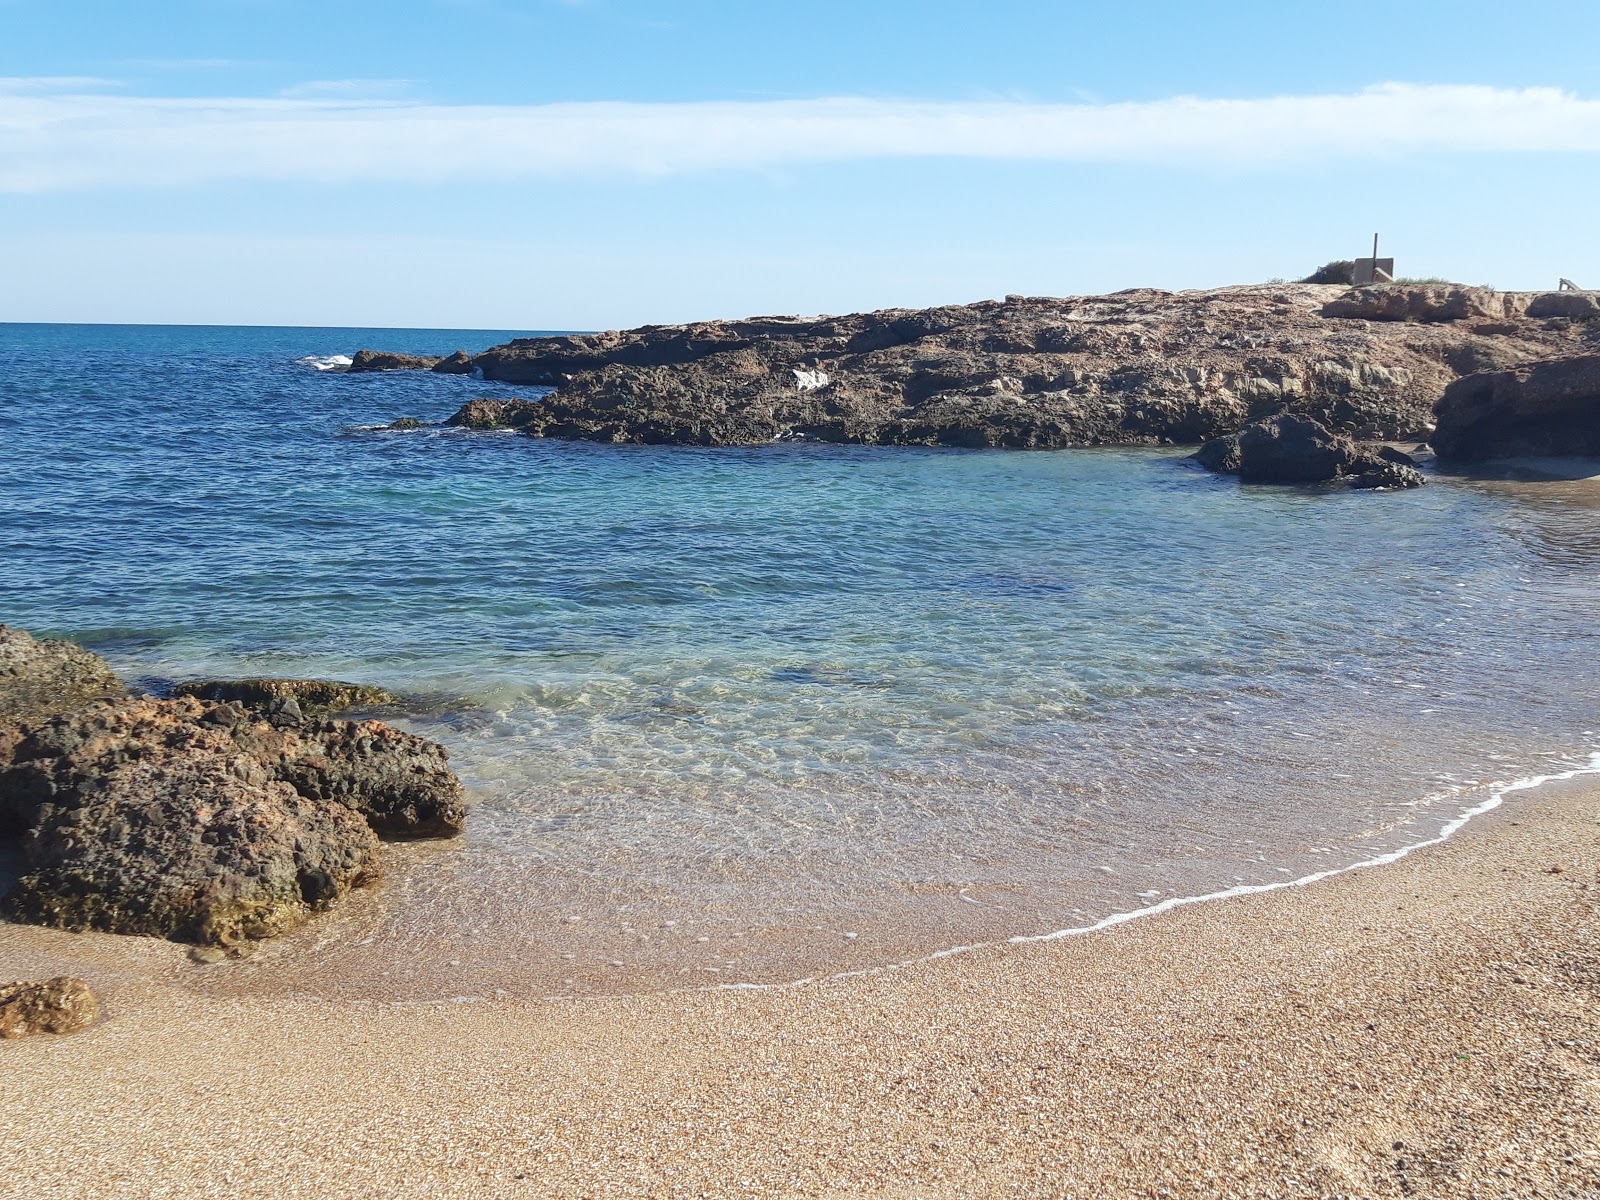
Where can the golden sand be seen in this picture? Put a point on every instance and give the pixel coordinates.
(1426, 1028)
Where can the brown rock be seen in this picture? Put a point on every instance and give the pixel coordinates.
(43, 678)
(150, 819)
(402, 784)
(311, 697)
(1429, 302)
(459, 363)
(498, 414)
(1548, 408)
(60, 1005)
(1138, 368)
(383, 360)
(1288, 448)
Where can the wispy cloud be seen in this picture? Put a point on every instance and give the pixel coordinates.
(347, 89)
(18, 84)
(52, 141)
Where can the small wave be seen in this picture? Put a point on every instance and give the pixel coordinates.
(324, 362)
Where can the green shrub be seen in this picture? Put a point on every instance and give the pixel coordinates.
(1341, 270)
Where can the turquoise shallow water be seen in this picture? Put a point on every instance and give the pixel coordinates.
(720, 709)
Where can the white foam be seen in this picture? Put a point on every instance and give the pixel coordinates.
(1497, 794)
(325, 362)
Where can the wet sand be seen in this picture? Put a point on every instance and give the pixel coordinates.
(1426, 1028)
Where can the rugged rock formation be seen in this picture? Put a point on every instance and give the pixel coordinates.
(60, 1005)
(382, 360)
(1541, 408)
(1439, 302)
(202, 820)
(1584, 306)
(1288, 448)
(40, 679)
(498, 414)
(402, 784)
(309, 697)
(1138, 367)
(459, 363)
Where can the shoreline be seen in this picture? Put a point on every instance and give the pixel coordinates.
(1447, 1007)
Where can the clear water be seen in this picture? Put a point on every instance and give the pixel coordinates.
(751, 714)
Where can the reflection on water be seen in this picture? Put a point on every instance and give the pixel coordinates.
(750, 714)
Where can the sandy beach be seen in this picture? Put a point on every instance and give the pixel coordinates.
(1425, 1028)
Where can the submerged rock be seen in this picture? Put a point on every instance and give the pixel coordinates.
(311, 697)
(1287, 448)
(1549, 408)
(43, 678)
(383, 360)
(60, 1005)
(404, 423)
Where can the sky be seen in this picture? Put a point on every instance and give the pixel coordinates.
(576, 164)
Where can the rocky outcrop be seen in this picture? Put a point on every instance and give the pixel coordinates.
(1583, 306)
(497, 414)
(402, 784)
(1288, 448)
(42, 678)
(1142, 367)
(459, 363)
(382, 360)
(1425, 303)
(299, 697)
(204, 820)
(1538, 409)
(147, 817)
(60, 1005)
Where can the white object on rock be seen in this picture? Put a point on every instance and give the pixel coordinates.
(810, 381)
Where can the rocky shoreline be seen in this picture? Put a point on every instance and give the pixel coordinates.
(1141, 367)
(218, 817)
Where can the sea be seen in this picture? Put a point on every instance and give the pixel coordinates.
(745, 716)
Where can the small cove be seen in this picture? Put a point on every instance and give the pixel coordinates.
(720, 710)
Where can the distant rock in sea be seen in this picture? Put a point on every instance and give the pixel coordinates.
(382, 360)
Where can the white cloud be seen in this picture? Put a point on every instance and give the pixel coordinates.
(12, 84)
(52, 141)
(347, 89)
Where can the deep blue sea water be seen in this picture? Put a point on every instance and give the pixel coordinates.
(721, 709)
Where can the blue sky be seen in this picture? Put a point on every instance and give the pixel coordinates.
(594, 163)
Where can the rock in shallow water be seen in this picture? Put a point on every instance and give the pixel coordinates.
(195, 820)
(149, 819)
(383, 360)
(60, 1005)
(1287, 448)
(313, 697)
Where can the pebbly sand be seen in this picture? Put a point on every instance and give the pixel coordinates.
(1426, 1028)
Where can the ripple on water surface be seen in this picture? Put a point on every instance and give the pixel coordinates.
(749, 714)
